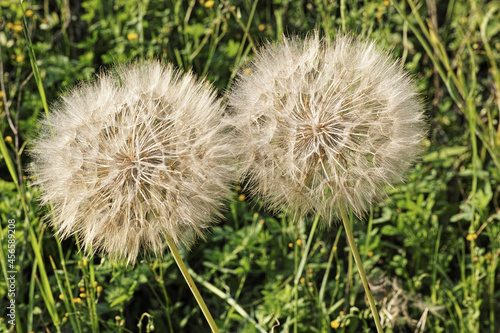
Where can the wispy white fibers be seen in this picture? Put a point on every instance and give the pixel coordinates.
(133, 158)
(325, 125)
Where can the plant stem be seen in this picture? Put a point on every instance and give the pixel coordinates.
(296, 290)
(229, 300)
(359, 264)
(342, 15)
(306, 251)
(301, 267)
(192, 286)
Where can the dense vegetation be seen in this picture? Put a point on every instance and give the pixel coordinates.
(432, 249)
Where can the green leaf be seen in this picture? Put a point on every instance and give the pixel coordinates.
(389, 230)
(118, 300)
(445, 153)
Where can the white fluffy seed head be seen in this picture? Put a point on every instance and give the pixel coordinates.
(133, 158)
(325, 125)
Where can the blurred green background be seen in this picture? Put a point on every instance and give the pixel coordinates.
(432, 249)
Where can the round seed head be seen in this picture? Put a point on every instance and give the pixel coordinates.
(133, 158)
(325, 125)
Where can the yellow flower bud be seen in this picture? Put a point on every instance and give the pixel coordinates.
(132, 36)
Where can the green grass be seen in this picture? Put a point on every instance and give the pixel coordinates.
(431, 250)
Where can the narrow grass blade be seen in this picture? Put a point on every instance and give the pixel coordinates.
(226, 298)
(34, 65)
(66, 298)
(44, 284)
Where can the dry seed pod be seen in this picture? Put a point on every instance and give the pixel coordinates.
(325, 125)
(133, 158)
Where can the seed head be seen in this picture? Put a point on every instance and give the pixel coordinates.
(325, 125)
(133, 158)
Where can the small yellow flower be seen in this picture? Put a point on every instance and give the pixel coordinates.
(335, 324)
(238, 188)
(470, 237)
(8, 139)
(247, 70)
(85, 262)
(65, 319)
(99, 289)
(82, 295)
(302, 280)
(255, 215)
(370, 254)
(10, 25)
(341, 313)
(487, 256)
(378, 16)
(17, 28)
(19, 58)
(242, 197)
(475, 259)
(1, 94)
(61, 297)
(262, 27)
(261, 222)
(77, 300)
(299, 242)
(82, 289)
(209, 4)
(133, 36)
(387, 3)
(95, 284)
(29, 13)
(290, 244)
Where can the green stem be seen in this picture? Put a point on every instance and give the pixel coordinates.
(192, 286)
(296, 290)
(359, 264)
(342, 15)
(165, 295)
(321, 295)
(231, 301)
(301, 266)
(306, 252)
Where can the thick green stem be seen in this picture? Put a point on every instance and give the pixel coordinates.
(361, 270)
(192, 286)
